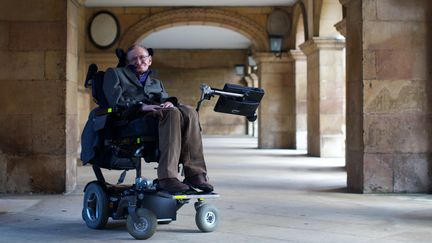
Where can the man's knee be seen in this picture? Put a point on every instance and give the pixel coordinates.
(188, 111)
(171, 113)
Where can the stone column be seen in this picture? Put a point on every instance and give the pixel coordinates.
(389, 120)
(38, 130)
(300, 80)
(326, 96)
(276, 124)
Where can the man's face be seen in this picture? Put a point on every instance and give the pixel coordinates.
(140, 58)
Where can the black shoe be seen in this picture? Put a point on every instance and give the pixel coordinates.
(199, 181)
(172, 185)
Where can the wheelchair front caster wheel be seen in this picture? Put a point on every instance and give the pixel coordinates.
(144, 227)
(207, 218)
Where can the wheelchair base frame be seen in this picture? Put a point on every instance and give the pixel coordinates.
(142, 202)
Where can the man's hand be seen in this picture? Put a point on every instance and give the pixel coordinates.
(145, 107)
(167, 105)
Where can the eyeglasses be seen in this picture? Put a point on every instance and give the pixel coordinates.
(141, 58)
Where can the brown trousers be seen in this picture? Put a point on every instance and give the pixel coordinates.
(179, 142)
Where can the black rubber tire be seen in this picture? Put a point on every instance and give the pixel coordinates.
(144, 229)
(95, 207)
(207, 218)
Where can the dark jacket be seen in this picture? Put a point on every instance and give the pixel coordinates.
(123, 89)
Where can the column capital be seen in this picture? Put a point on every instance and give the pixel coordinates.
(297, 55)
(261, 57)
(319, 43)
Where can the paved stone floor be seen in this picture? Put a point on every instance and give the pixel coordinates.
(266, 196)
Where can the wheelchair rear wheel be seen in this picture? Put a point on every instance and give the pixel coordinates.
(145, 227)
(207, 217)
(95, 206)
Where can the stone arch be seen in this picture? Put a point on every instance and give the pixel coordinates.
(330, 14)
(197, 16)
(300, 24)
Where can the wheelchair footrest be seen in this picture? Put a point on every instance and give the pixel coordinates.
(189, 196)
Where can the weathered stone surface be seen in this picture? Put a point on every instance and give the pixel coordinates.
(34, 173)
(354, 132)
(71, 172)
(369, 12)
(395, 96)
(71, 68)
(401, 65)
(23, 10)
(394, 10)
(378, 173)
(21, 65)
(369, 65)
(15, 134)
(354, 168)
(354, 98)
(396, 172)
(38, 36)
(48, 134)
(4, 35)
(72, 136)
(55, 65)
(411, 172)
(3, 170)
(384, 35)
(35, 97)
(397, 133)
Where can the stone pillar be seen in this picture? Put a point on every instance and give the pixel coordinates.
(276, 124)
(300, 80)
(326, 96)
(389, 95)
(38, 131)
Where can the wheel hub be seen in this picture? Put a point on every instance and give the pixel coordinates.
(210, 218)
(142, 225)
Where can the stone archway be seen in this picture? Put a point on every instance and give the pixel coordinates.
(197, 16)
(300, 32)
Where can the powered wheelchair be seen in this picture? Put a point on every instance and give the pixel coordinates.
(113, 140)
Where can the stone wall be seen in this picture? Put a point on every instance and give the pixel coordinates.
(390, 118)
(37, 131)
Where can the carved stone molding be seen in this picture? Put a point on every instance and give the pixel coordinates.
(297, 55)
(318, 43)
(263, 57)
(200, 16)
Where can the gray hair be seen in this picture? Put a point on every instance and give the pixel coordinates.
(134, 46)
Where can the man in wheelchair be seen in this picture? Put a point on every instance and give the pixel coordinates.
(134, 89)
